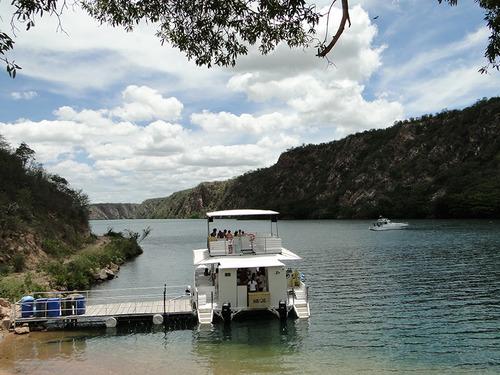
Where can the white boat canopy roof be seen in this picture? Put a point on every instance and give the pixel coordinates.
(244, 262)
(201, 257)
(245, 212)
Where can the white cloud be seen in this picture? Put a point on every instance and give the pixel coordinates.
(94, 149)
(77, 173)
(457, 87)
(144, 103)
(335, 104)
(445, 76)
(237, 125)
(23, 95)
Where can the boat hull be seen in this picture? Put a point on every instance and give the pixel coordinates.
(391, 226)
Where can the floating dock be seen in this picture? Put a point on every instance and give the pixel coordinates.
(104, 307)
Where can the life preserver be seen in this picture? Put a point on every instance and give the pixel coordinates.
(251, 237)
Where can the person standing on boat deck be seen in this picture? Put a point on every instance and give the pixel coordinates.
(220, 234)
(252, 284)
(261, 279)
(229, 238)
(213, 235)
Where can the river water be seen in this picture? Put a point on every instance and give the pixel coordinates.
(423, 300)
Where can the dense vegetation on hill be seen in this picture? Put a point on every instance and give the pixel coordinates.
(35, 204)
(445, 165)
(45, 239)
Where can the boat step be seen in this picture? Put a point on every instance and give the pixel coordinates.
(205, 316)
(302, 310)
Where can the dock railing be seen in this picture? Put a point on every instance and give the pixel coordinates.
(64, 304)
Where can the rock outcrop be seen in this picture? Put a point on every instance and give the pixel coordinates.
(5, 314)
(102, 211)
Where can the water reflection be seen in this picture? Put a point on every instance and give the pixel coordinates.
(43, 346)
(249, 347)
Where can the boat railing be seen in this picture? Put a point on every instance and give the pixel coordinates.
(248, 244)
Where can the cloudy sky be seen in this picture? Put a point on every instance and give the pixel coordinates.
(126, 119)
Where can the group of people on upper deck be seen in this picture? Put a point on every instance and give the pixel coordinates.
(225, 234)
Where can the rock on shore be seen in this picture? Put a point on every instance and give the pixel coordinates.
(5, 314)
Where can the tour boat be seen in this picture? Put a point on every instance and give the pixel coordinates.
(385, 224)
(246, 273)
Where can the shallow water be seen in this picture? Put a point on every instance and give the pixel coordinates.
(422, 300)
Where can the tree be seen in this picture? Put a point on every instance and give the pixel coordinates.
(25, 154)
(4, 145)
(218, 32)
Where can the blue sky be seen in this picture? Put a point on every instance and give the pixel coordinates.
(126, 119)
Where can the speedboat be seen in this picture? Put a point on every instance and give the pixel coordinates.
(245, 273)
(385, 224)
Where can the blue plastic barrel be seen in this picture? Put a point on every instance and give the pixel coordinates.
(67, 305)
(27, 306)
(53, 307)
(80, 304)
(41, 307)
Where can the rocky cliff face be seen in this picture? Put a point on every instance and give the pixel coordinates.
(190, 203)
(444, 165)
(101, 211)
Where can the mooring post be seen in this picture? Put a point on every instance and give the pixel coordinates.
(165, 300)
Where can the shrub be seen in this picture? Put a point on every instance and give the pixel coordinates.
(18, 262)
(13, 287)
(4, 269)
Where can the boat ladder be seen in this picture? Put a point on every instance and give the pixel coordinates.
(301, 308)
(300, 304)
(205, 310)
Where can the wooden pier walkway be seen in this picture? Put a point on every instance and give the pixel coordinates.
(172, 306)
